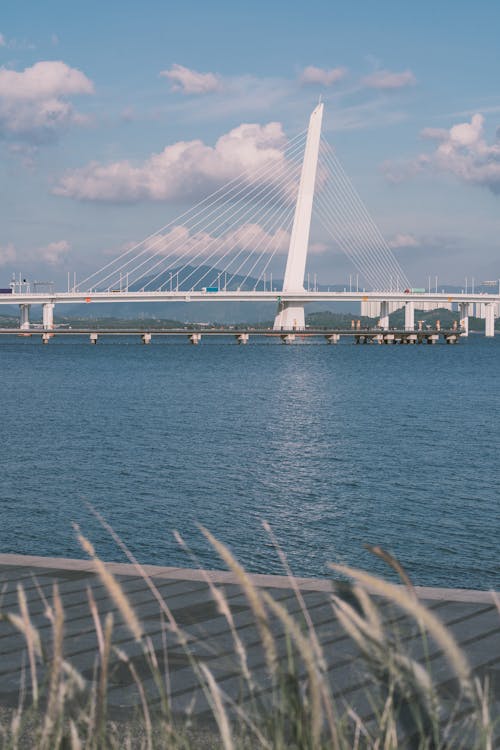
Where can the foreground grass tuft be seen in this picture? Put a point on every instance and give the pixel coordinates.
(290, 703)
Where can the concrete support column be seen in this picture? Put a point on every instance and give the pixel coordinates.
(333, 338)
(409, 315)
(195, 338)
(489, 322)
(93, 338)
(384, 316)
(290, 317)
(48, 315)
(288, 339)
(242, 338)
(24, 317)
(464, 318)
(146, 338)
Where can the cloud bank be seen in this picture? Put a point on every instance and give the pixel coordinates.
(462, 151)
(321, 76)
(191, 81)
(52, 253)
(403, 240)
(7, 254)
(387, 81)
(34, 102)
(181, 241)
(184, 170)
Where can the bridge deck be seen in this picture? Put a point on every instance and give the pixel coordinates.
(470, 615)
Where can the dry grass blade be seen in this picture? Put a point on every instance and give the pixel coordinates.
(393, 563)
(407, 603)
(114, 589)
(144, 703)
(327, 702)
(54, 698)
(225, 611)
(31, 636)
(97, 621)
(298, 594)
(307, 653)
(253, 598)
(103, 677)
(147, 579)
(218, 709)
(75, 739)
(371, 613)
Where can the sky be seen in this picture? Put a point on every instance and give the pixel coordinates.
(116, 117)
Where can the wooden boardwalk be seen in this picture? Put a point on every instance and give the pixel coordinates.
(472, 617)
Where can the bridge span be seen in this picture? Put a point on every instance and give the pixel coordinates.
(379, 302)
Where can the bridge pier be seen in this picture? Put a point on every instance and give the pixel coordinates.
(464, 318)
(333, 338)
(384, 315)
(242, 338)
(93, 338)
(48, 316)
(289, 338)
(24, 317)
(195, 338)
(489, 319)
(146, 338)
(409, 315)
(290, 317)
(46, 337)
(389, 338)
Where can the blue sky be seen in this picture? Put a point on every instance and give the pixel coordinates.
(90, 92)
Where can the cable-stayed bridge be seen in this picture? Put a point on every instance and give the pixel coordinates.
(226, 246)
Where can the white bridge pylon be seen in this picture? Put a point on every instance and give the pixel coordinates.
(290, 315)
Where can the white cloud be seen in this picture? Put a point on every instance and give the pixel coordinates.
(3, 41)
(385, 80)
(184, 170)
(54, 252)
(44, 80)
(403, 240)
(7, 254)
(462, 151)
(251, 236)
(33, 102)
(322, 76)
(191, 81)
(434, 134)
(25, 152)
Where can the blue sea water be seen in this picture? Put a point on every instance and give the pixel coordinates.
(334, 446)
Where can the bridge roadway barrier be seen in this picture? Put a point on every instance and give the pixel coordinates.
(471, 616)
(242, 337)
